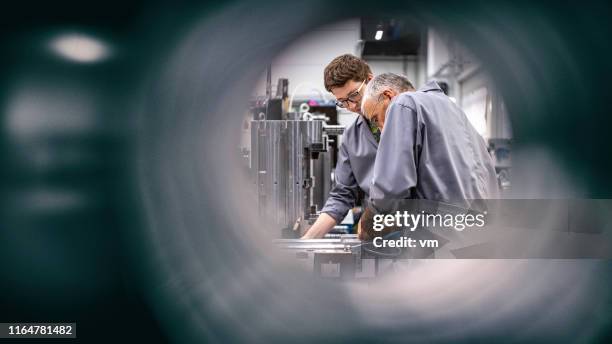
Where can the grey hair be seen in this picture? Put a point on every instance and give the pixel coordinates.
(385, 81)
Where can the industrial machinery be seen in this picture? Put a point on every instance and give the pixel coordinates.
(291, 158)
(291, 166)
(338, 256)
(341, 256)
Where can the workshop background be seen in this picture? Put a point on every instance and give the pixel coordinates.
(123, 198)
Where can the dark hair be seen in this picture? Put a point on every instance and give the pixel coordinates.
(344, 68)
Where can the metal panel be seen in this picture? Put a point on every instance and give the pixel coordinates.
(282, 165)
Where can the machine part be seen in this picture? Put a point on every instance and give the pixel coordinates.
(336, 256)
(296, 225)
(332, 243)
(304, 108)
(333, 130)
(274, 109)
(501, 151)
(334, 265)
(282, 165)
(320, 116)
(269, 81)
(282, 88)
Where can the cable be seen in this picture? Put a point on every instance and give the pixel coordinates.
(313, 87)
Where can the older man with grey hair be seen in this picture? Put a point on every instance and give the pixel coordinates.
(428, 148)
(388, 84)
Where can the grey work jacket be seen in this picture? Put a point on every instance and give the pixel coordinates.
(354, 169)
(429, 150)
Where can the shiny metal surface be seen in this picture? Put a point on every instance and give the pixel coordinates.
(283, 158)
(343, 243)
(338, 257)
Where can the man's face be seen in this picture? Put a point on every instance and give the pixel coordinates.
(350, 94)
(376, 107)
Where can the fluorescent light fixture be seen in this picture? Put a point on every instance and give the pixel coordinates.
(378, 35)
(79, 47)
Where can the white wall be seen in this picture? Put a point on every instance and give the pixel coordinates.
(303, 61)
(467, 82)
(437, 51)
(410, 66)
(473, 101)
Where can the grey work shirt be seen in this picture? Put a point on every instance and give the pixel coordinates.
(429, 150)
(353, 170)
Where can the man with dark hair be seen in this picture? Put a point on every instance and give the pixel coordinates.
(346, 77)
(343, 69)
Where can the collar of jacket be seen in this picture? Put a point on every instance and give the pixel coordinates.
(430, 86)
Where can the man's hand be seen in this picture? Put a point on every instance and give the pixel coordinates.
(322, 226)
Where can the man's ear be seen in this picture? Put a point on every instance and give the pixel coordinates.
(389, 94)
(370, 77)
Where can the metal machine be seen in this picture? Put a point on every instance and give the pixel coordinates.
(291, 166)
(292, 159)
(338, 256)
(341, 256)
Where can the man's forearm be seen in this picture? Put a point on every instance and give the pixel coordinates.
(322, 226)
